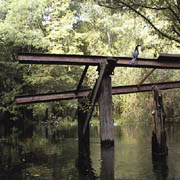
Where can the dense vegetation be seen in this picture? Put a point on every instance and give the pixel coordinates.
(110, 28)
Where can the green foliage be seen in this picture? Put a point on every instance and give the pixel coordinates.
(161, 16)
(82, 27)
(21, 29)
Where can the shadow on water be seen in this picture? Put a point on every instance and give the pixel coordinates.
(107, 163)
(84, 166)
(160, 167)
(29, 152)
(86, 171)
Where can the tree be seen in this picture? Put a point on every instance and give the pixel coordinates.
(81, 27)
(21, 30)
(162, 16)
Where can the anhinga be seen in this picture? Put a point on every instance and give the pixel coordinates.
(135, 55)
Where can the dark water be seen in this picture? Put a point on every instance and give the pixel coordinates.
(45, 153)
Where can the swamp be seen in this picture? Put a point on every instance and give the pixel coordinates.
(89, 90)
(43, 152)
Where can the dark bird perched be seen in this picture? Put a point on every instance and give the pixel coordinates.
(135, 55)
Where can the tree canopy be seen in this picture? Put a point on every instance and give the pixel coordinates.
(111, 28)
(162, 16)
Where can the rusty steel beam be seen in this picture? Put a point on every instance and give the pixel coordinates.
(82, 93)
(52, 96)
(60, 59)
(169, 57)
(82, 78)
(165, 61)
(144, 87)
(142, 81)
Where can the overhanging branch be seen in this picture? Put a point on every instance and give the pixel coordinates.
(176, 31)
(109, 6)
(133, 4)
(122, 3)
(174, 13)
(149, 7)
(151, 24)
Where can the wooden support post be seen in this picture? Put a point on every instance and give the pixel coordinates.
(105, 104)
(94, 95)
(84, 162)
(159, 146)
(83, 138)
(106, 120)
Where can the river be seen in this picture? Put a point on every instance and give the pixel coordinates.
(46, 153)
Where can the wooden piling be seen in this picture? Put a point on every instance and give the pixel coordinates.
(105, 105)
(106, 119)
(83, 138)
(84, 162)
(159, 146)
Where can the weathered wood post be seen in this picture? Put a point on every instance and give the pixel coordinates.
(84, 161)
(105, 104)
(159, 146)
(107, 123)
(83, 138)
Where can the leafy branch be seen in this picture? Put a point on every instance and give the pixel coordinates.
(119, 4)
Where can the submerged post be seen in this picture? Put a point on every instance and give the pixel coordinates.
(84, 161)
(105, 104)
(83, 138)
(159, 146)
(107, 163)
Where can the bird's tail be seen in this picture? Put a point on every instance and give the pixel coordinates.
(133, 61)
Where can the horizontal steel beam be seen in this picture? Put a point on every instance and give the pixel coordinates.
(82, 93)
(60, 59)
(165, 61)
(52, 96)
(145, 63)
(169, 57)
(144, 87)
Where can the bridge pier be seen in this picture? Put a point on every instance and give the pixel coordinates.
(105, 105)
(83, 162)
(159, 146)
(83, 138)
(106, 128)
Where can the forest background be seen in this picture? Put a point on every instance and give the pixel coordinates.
(109, 28)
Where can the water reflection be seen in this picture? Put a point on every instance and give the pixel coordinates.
(84, 165)
(160, 167)
(107, 163)
(40, 152)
